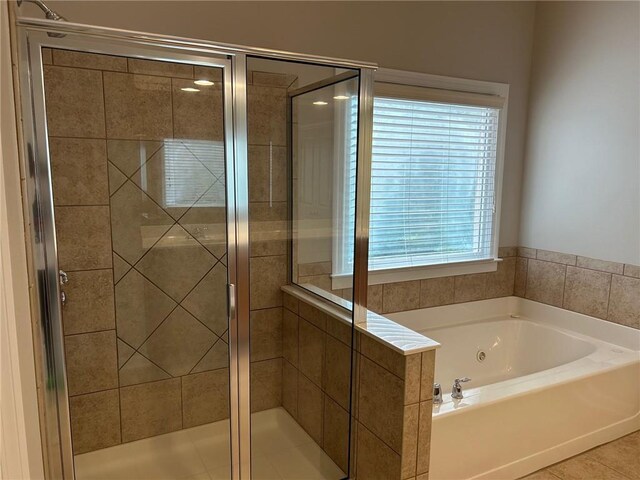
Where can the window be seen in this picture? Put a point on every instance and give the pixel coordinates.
(434, 182)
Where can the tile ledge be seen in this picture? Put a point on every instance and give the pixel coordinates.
(380, 328)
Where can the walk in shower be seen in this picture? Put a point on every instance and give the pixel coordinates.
(174, 188)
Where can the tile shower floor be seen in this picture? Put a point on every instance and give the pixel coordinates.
(282, 450)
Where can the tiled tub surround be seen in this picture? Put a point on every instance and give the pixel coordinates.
(145, 321)
(392, 389)
(576, 377)
(598, 288)
(433, 292)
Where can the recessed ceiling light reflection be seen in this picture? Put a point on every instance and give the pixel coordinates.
(341, 97)
(189, 89)
(204, 83)
(320, 102)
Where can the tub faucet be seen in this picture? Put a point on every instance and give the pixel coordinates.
(456, 390)
(437, 394)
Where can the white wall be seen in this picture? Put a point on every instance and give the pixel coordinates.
(581, 189)
(482, 40)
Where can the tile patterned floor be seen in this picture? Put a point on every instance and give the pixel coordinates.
(617, 460)
(282, 450)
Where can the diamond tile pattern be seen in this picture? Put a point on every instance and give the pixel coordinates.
(130, 155)
(160, 263)
(174, 178)
(176, 263)
(124, 353)
(116, 178)
(207, 223)
(140, 308)
(179, 343)
(217, 357)
(136, 222)
(208, 301)
(120, 268)
(168, 215)
(140, 370)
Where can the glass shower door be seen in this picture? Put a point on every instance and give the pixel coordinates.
(138, 173)
(299, 124)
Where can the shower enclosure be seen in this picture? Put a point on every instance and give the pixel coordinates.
(173, 188)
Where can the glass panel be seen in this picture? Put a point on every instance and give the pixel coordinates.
(300, 357)
(324, 136)
(138, 174)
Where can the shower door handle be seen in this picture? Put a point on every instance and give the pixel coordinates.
(231, 291)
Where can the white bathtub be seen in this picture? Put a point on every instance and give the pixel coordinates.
(553, 384)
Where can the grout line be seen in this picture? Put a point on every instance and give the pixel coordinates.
(176, 221)
(110, 163)
(123, 275)
(382, 366)
(154, 363)
(202, 357)
(609, 467)
(94, 391)
(609, 297)
(420, 377)
(178, 303)
(154, 330)
(128, 345)
(564, 287)
(552, 474)
(173, 113)
(380, 439)
(53, 63)
(146, 161)
(89, 333)
(182, 407)
(218, 179)
(82, 205)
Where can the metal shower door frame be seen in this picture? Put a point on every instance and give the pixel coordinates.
(32, 36)
(41, 217)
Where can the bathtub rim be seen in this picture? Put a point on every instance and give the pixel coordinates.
(585, 328)
(496, 393)
(517, 307)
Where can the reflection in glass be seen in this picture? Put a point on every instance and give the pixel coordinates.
(324, 138)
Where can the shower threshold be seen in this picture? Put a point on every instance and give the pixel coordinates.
(281, 450)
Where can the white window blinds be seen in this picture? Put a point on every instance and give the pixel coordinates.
(194, 171)
(433, 178)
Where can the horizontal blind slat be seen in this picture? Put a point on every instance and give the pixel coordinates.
(432, 186)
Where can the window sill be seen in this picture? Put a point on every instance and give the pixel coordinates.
(393, 275)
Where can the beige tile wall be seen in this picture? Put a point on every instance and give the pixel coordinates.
(392, 412)
(316, 375)
(432, 292)
(268, 210)
(599, 288)
(145, 321)
(391, 402)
